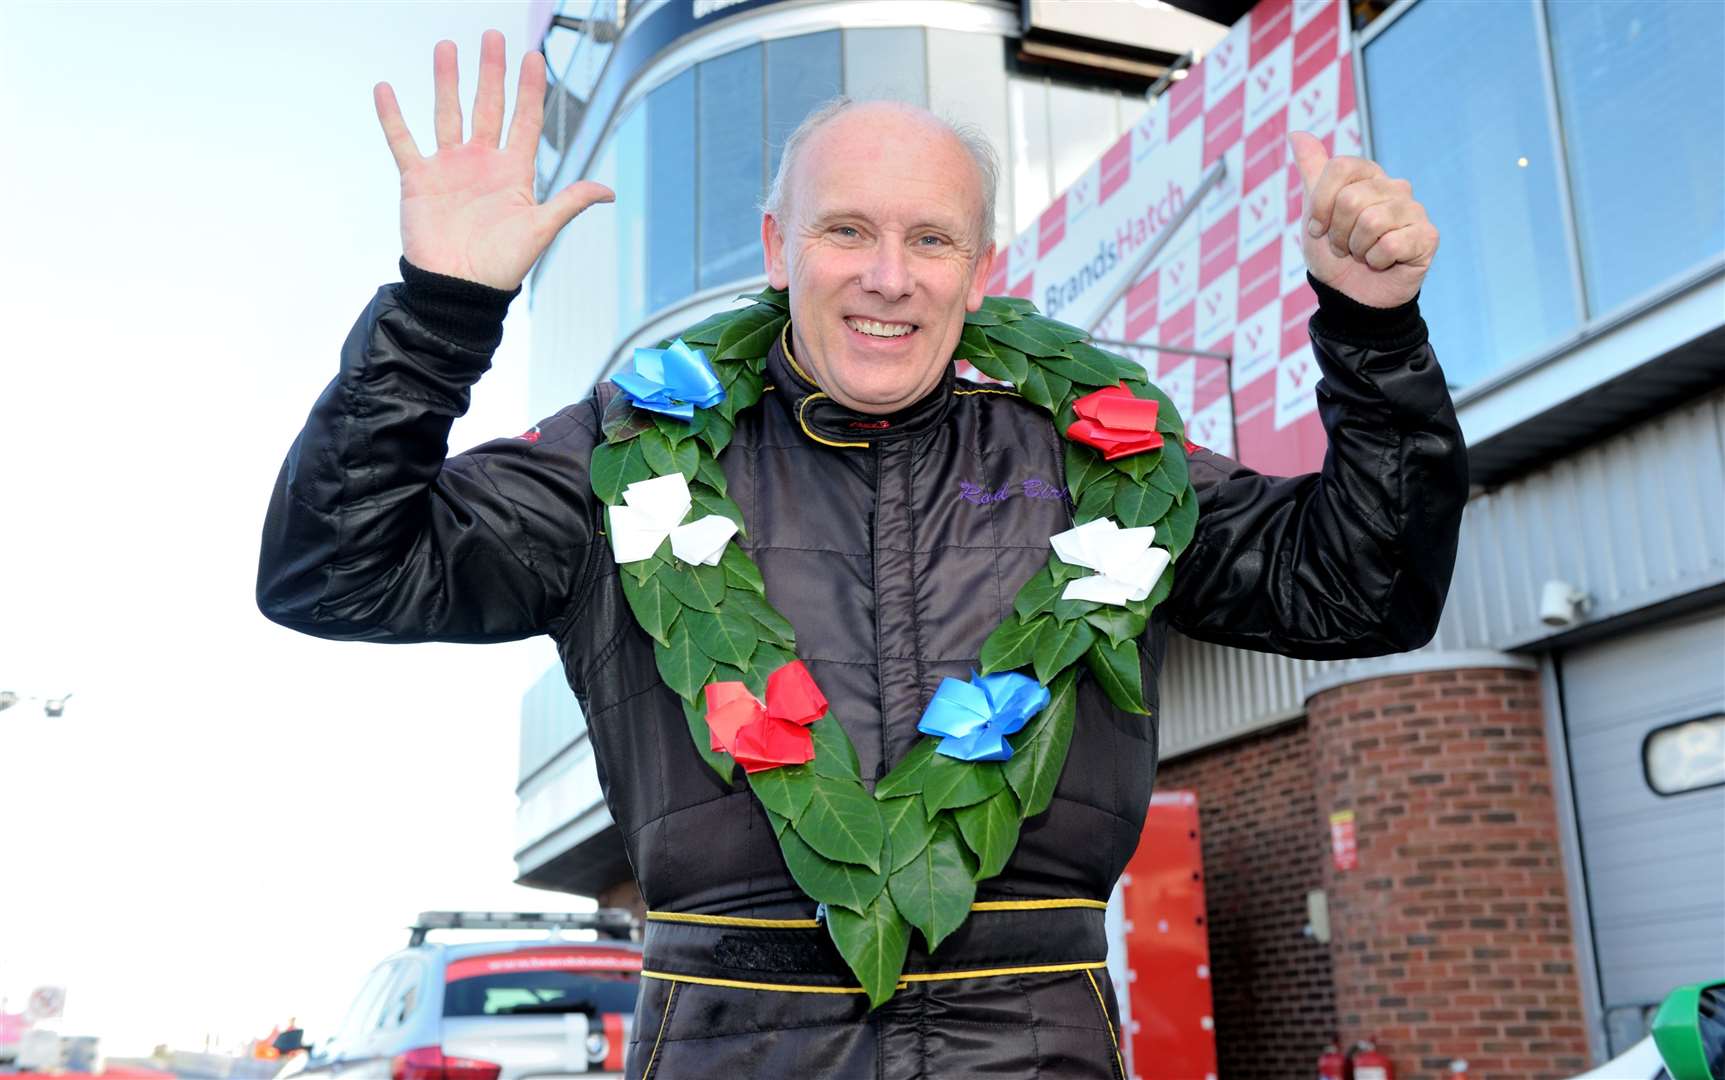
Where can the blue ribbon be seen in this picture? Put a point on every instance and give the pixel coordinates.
(674, 381)
(974, 718)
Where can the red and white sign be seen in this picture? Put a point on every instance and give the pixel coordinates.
(589, 959)
(1233, 281)
(1344, 850)
(46, 1003)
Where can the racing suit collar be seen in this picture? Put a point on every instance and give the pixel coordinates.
(831, 424)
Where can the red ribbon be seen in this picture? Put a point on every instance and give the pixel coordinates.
(765, 736)
(1115, 422)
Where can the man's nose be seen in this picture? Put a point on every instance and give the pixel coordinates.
(888, 273)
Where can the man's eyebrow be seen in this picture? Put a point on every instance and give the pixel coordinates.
(827, 217)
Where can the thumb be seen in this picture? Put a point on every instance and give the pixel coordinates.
(562, 208)
(1310, 157)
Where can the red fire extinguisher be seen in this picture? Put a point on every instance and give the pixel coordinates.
(1333, 1064)
(1368, 1064)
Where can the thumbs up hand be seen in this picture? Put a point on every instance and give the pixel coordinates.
(1362, 233)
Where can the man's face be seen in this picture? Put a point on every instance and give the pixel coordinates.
(880, 251)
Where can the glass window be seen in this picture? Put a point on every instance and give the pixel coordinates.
(1642, 105)
(629, 144)
(670, 224)
(1684, 757)
(802, 72)
(1462, 113)
(732, 165)
(357, 1020)
(886, 64)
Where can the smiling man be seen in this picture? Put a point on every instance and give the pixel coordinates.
(879, 496)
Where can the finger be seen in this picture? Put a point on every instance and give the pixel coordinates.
(1338, 173)
(529, 117)
(401, 143)
(1310, 157)
(1354, 199)
(445, 78)
(1379, 218)
(561, 208)
(1413, 245)
(488, 100)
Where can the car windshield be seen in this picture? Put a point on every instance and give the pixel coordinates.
(540, 981)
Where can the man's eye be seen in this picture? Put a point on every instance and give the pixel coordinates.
(931, 241)
(847, 231)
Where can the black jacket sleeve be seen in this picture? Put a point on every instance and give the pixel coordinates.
(1354, 560)
(372, 535)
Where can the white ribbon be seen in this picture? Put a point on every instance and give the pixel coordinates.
(1126, 566)
(654, 509)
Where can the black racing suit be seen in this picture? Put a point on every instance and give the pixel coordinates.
(894, 549)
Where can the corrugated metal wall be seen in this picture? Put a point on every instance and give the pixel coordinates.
(1633, 521)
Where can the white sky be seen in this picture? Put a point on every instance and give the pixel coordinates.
(232, 823)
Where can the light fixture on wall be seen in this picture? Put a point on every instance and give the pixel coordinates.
(1562, 604)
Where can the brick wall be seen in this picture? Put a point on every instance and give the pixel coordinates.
(1452, 937)
(1263, 847)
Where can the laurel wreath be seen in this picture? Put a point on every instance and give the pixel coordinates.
(909, 854)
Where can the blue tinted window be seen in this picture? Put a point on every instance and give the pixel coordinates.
(1459, 108)
(802, 72)
(1644, 123)
(670, 224)
(732, 115)
(629, 143)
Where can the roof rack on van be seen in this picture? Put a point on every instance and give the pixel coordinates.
(608, 922)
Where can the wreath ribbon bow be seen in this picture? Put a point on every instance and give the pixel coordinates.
(653, 510)
(974, 718)
(765, 735)
(1126, 566)
(675, 381)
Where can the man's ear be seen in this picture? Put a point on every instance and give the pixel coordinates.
(773, 252)
(979, 279)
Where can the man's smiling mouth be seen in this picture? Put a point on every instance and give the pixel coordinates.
(880, 329)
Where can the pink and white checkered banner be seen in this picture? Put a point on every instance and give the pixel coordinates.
(1232, 281)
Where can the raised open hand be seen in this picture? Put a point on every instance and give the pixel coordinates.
(468, 210)
(1363, 234)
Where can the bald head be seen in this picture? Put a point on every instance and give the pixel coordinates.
(840, 117)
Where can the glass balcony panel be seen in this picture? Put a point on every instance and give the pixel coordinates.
(731, 165)
(802, 72)
(670, 220)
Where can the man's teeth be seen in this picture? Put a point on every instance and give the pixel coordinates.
(879, 329)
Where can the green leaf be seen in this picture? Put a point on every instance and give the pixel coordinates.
(1039, 750)
(906, 777)
(1015, 364)
(1140, 465)
(1088, 366)
(1177, 528)
(972, 342)
(1044, 387)
(1159, 592)
(1018, 305)
(1064, 331)
(654, 606)
(716, 433)
(1037, 595)
(675, 430)
(1028, 336)
(707, 501)
(1012, 645)
(706, 332)
(1084, 467)
(623, 421)
(709, 473)
(1116, 669)
(835, 757)
(934, 890)
(749, 603)
(727, 637)
(1097, 500)
(684, 668)
(700, 587)
(778, 298)
(779, 822)
(768, 658)
(740, 570)
(752, 339)
(642, 569)
(741, 393)
(842, 822)
(1173, 476)
(1059, 645)
(1117, 622)
(874, 945)
(656, 450)
(614, 466)
(1067, 610)
(908, 828)
(1136, 505)
(990, 828)
(843, 884)
(1167, 416)
(984, 317)
(1064, 571)
(949, 782)
(740, 325)
(699, 734)
(785, 790)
